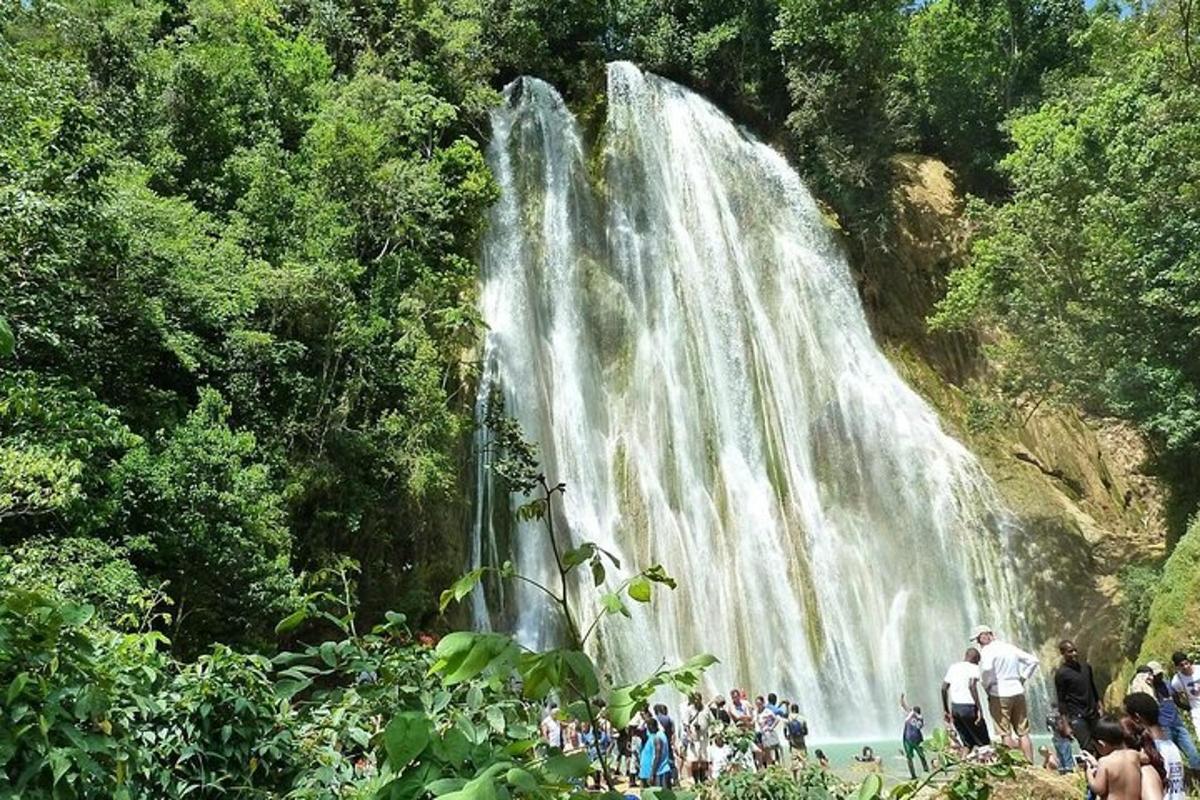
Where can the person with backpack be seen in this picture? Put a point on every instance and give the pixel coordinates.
(796, 731)
(913, 738)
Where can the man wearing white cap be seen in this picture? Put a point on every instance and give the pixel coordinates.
(1005, 669)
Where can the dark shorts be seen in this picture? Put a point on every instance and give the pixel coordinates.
(970, 732)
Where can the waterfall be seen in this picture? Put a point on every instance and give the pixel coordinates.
(673, 325)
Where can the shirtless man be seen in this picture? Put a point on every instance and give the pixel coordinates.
(1117, 774)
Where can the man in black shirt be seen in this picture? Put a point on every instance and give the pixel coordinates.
(1078, 700)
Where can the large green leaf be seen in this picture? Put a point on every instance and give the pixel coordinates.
(484, 785)
(451, 747)
(461, 588)
(463, 655)
(521, 779)
(639, 589)
(76, 614)
(612, 603)
(621, 705)
(576, 765)
(582, 671)
(291, 621)
(576, 556)
(541, 673)
(404, 738)
(871, 787)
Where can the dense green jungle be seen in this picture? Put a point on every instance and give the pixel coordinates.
(239, 246)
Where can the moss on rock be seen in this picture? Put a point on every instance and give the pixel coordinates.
(1175, 612)
(1077, 484)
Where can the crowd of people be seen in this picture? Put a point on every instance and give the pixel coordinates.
(1141, 752)
(702, 741)
(1144, 750)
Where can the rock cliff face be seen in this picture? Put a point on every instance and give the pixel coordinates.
(1077, 482)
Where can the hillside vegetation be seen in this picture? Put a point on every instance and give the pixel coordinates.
(238, 245)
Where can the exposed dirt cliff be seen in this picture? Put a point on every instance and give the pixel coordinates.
(1087, 507)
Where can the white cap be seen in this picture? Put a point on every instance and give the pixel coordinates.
(980, 630)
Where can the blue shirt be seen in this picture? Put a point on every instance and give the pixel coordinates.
(1168, 715)
(664, 767)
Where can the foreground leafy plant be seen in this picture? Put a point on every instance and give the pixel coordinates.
(566, 673)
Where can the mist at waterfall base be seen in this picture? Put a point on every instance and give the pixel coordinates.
(673, 325)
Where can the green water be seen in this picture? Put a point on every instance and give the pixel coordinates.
(841, 755)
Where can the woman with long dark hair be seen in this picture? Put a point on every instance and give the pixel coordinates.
(1154, 772)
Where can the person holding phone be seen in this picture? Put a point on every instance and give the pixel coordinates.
(1117, 773)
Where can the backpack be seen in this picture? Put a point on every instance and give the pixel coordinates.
(797, 729)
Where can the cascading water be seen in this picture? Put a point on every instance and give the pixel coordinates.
(680, 336)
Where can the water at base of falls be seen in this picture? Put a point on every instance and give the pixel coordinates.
(674, 327)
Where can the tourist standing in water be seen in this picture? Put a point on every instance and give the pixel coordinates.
(718, 756)
(961, 705)
(637, 741)
(913, 738)
(664, 770)
(1078, 699)
(1005, 669)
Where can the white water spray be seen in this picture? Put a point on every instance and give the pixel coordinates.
(681, 338)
